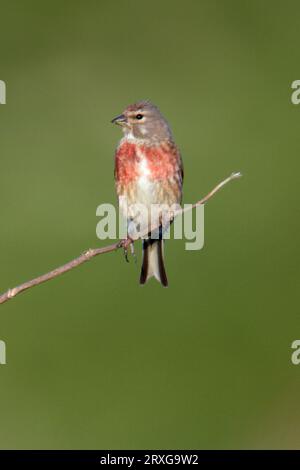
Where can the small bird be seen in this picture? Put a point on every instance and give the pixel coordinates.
(148, 173)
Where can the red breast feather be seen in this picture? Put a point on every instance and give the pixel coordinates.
(160, 164)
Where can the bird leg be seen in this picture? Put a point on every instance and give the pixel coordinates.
(125, 244)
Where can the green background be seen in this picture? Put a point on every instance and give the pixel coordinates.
(93, 359)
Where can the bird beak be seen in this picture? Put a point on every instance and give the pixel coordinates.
(120, 120)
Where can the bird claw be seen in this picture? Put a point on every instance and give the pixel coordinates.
(125, 243)
(125, 251)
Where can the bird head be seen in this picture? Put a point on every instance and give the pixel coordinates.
(144, 121)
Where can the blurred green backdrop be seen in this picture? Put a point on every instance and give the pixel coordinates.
(94, 360)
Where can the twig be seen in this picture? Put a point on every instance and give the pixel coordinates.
(92, 252)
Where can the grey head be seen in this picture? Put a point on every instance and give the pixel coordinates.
(144, 121)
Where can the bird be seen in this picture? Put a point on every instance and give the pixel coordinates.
(149, 174)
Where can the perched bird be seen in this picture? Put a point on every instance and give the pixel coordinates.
(148, 173)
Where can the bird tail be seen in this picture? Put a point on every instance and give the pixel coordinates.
(153, 262)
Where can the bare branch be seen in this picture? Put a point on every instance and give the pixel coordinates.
(92, 252)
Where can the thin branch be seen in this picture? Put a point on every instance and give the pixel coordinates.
(92, 252)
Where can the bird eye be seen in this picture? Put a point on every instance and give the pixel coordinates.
(139, 116)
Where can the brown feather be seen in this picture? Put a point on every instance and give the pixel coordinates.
(153, 262)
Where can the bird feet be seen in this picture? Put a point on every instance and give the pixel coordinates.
(125, 244)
